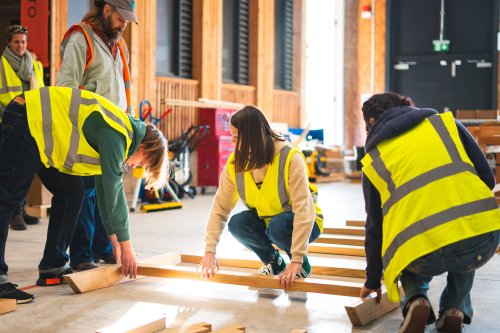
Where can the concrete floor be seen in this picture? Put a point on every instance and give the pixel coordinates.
(58, 309)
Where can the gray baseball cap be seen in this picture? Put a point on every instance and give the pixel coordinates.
(126, 8)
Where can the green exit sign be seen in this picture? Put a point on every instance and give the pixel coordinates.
(441, 45)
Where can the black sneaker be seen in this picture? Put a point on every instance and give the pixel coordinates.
(51, 279)
(10, 291)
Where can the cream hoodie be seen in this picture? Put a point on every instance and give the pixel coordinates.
(303, 207)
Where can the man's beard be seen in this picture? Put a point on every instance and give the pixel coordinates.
(112, 34)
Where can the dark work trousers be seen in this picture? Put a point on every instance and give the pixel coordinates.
(19, 162)
(90, 239)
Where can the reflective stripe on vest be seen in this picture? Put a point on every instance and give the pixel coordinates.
(5, 87)
(88, 33)
(51, 111)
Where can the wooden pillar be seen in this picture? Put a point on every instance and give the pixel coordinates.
(207, 47)
(261, 64)
(58, 22)
(142, 45)
(299, 58)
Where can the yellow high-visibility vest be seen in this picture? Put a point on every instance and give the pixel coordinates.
(273, 197)
(56, 116)
(11, 85)
(430, 193)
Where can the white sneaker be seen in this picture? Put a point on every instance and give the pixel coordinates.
(416, 318)
(451, 321)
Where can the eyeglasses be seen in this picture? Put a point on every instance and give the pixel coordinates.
(17, 28)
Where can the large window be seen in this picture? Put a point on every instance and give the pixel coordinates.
(76, 10)
(283, 47)
(235, 42)
(174, 38)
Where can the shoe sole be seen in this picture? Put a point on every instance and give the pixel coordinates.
(451, 324)
(418, 319)
(24, 301)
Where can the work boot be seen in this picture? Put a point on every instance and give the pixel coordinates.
(105, 259)
(52, 279)
(17, 223)
(31, 219)
(84, 266)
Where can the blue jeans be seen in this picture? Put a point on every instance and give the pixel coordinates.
(251, 231)
(90, 239)
(19, 162)
(460, 260)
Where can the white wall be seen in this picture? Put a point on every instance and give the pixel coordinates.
(325, 67)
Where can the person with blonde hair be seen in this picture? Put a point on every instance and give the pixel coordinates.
(19, 71)
(62, 134)
(270, 177)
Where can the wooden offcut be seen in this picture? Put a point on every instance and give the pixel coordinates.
(365, 311)
(106, 276)
(194, 328)
(7, 305)
(235, 328)
(255, 264)
(150, 326)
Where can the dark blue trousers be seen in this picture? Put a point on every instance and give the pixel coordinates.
(19, 162)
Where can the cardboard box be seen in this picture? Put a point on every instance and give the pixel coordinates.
(466, 114)
(38, 195)
(486, 114)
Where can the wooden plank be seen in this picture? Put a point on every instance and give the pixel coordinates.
(346, 250)
(298, 330)
(106, 276)
(365, 311)
(7, 305)
(41, 211)
(149, 326)
(355, 223)
(256, 264)
(235, 328)
(195, 328)
(341, 240)
(341, 288)
(345, 231)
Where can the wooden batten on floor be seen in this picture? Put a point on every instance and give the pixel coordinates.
(341, 288)
(346, 250)
(7, 305)
(355, 223)
(365, 311)
(255, 264)
(236, 328)
(341, 240)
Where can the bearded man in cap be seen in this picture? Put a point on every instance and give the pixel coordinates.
(95, 58)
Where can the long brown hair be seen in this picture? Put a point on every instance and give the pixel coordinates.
(255, 143)
(95, 14)
(155, 149)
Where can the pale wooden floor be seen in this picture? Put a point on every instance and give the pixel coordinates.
(58, 309)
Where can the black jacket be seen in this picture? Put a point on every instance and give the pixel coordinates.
(390, 124)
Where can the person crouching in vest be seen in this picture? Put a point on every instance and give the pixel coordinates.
(271, 180)
(430, 210)
(61, 133)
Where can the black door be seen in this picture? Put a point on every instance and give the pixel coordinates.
(465, 77)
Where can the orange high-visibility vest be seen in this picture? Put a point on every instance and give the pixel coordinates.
(87, 31)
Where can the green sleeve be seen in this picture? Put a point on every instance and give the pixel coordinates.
(111, 198)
